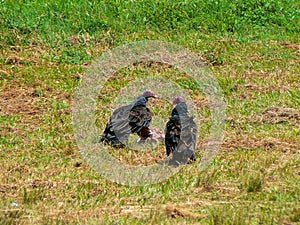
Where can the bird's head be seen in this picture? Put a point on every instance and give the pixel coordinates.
(178, 100)
(149, 94)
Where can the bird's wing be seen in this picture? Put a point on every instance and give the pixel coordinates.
(172, 134)
(139, 117)
(120, 113)
(117, 129)
(188, 136)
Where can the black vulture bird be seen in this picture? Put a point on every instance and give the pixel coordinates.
(129, 119)
(181, 134)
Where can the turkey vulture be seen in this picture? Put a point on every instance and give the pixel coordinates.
(181, 134)
(129, 119)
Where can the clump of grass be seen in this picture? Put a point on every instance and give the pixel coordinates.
(11, 215)
(208, 178)
(227, 215)
(252, 182)
(31, 196)
(295, 217)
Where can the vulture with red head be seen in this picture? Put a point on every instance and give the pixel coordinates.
(129, 119)
(181, 134)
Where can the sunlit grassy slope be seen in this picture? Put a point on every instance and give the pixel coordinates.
(251, 46)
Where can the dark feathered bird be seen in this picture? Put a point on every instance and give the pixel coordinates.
(181, 134)
(129, 119)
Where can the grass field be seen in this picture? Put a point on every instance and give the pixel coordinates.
(252, 47)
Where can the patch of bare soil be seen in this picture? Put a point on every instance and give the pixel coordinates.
(288, 45)
(19, 101)
(26, 104)
(275, 115)
(291, 46)
(249, 90)
(258, 143)
(262, 89)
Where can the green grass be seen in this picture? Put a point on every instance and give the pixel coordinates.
(253, 49)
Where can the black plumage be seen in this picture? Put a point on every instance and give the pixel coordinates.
(129, 119)
(181, 134)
